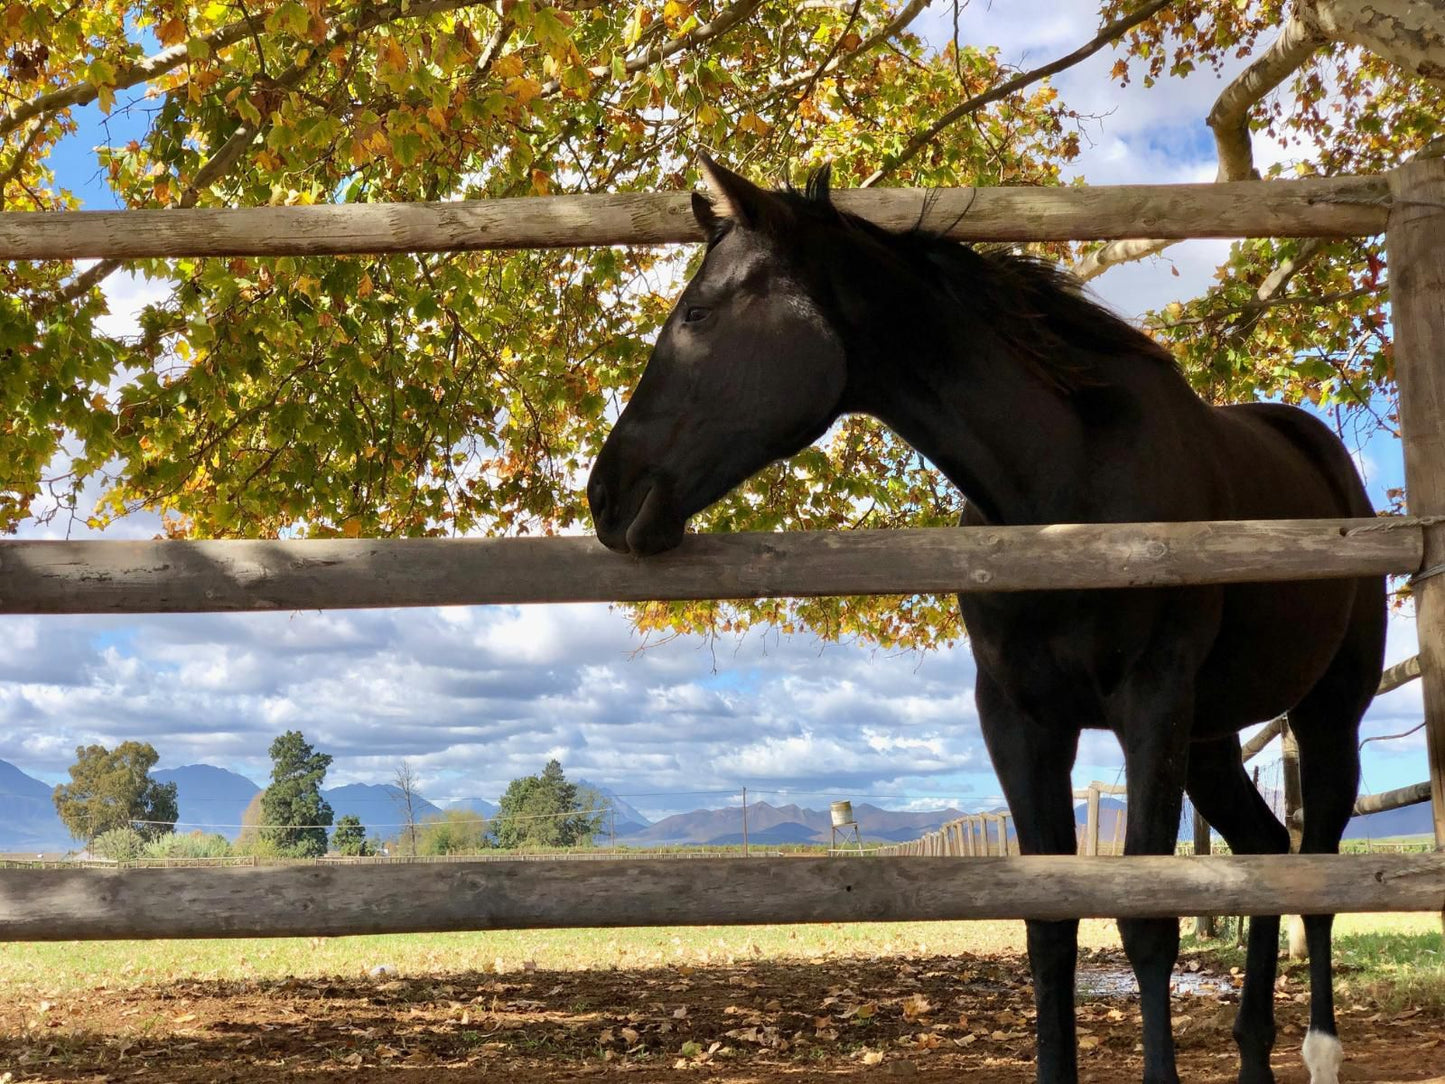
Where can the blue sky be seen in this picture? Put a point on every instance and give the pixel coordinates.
(475, 697)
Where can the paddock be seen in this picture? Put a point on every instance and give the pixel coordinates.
(941, 879)
(118, 577)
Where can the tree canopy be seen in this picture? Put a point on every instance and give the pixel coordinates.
(349, 836)
(294, 813)
(406, 395)
(546, 811)
(453, 831)
(111, 789)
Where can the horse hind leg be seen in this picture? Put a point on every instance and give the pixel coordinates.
(1222, 791)
(1326, 724)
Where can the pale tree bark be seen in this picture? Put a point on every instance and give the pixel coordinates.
(1408, 33)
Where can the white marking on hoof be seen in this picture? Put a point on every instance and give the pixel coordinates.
(1323, 1055)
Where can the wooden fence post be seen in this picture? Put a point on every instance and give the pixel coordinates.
(1203, 924)
(1415, 249)
(1289, 769)
(1091, 821)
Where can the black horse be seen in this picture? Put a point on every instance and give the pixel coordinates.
(1042, 408)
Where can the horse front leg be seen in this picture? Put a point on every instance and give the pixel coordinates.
(1033, 763)
(1154, 731)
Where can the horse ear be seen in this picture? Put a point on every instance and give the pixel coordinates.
(733, 196)
(707, 217)
(817, 190)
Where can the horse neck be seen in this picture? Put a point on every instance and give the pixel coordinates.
(1013, 444)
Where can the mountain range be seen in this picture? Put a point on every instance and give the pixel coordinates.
(214, 799)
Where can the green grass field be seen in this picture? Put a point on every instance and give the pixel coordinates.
(1393, 958)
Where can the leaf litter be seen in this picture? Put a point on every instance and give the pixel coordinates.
(755, 1020)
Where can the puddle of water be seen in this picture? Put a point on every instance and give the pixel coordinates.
(1104, 982)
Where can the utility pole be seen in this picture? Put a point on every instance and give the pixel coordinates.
(745, 822)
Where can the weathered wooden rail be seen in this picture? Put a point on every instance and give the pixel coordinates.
(1312, 207)
(169, 577)
(63, 905)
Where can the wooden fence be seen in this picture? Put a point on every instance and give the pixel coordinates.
(967, 837)
(92, 577)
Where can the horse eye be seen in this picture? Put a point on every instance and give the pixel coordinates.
(695, 314)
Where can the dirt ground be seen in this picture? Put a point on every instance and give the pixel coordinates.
(765, 1022)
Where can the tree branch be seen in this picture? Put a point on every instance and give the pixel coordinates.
(1407, 33)
(696, 36)
(1410, 34)
(174, 56)
(1105, 36)
(895, 26)
(13, 170)
(1229, 118)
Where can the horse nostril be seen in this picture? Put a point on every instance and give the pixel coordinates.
(597, 499)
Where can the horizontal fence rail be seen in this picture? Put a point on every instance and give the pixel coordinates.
(88, 904)
(1311, 207)
(211, 576)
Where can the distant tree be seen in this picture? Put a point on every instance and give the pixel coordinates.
(195, 844)
(406, 796)
(293, 812)
(122, 844)
(111, 789)
(349, 837)
(545, 811)
(454, 831)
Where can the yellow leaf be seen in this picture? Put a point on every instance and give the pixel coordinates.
(751, 122)
(507, 67)
(523, 88)
(365, 286)
(351, 528)
(541, 182)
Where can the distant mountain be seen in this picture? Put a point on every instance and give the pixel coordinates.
(28, 821)
(629, 820)
(1412, 820)
(721, 826)
(377, 805)
(208, 796)
(1112, 817)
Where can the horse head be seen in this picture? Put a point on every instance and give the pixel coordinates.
(747, 369)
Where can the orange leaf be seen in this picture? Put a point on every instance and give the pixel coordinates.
(172, 31)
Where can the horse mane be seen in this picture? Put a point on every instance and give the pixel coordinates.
(1035, 305)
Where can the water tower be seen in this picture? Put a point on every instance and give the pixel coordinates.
(844, 827)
